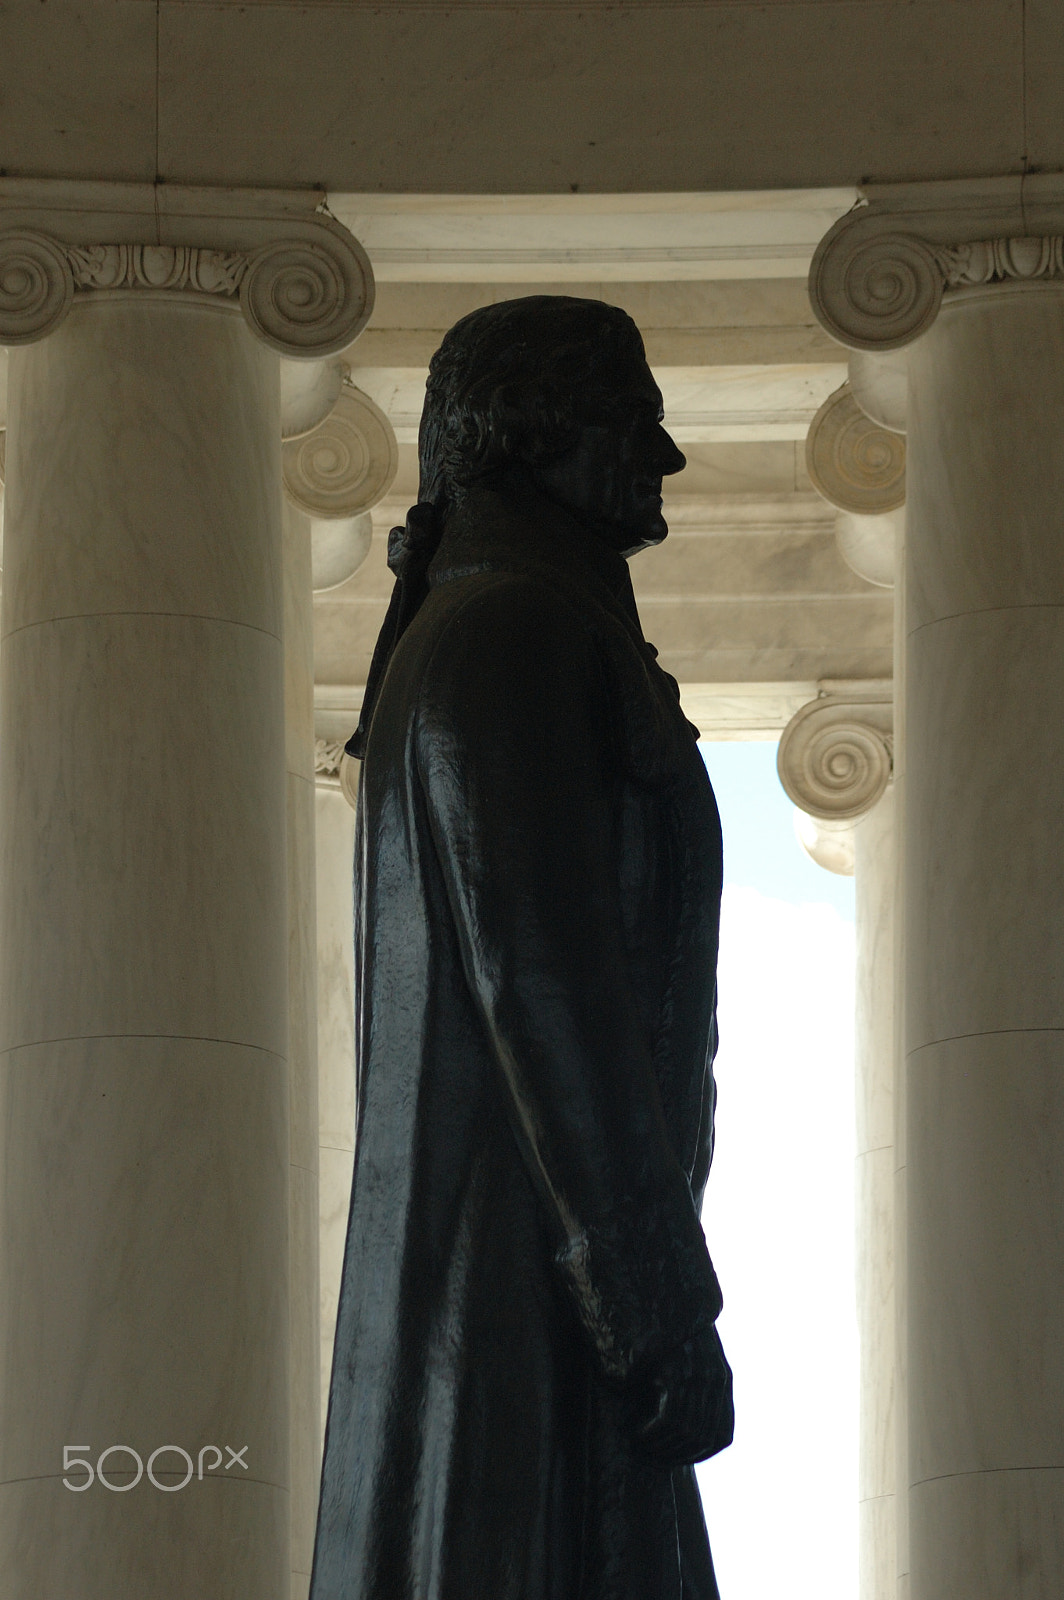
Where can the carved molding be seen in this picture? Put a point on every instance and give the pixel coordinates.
(879, 275)
(157, 266)
(346, 464)
(327, 756)
(996, 260)
(335, 769)
(854, 463)
(303, 283)
(836, 754)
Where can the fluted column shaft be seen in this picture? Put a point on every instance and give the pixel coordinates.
(984, 936)
(143, 972)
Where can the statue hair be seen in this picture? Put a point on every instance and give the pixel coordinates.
(516, 382)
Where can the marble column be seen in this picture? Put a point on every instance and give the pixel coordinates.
(304, 1316)
(835, 762)
(972, 277)
(336, 1035)
(144, 973)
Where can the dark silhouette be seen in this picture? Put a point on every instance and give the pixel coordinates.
(526, 1359)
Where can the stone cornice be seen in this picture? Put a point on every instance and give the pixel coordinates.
(836, 754)
(879, 275)
(302, 282)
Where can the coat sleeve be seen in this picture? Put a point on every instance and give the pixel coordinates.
(520, 775)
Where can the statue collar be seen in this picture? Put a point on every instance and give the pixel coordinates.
(491, 532)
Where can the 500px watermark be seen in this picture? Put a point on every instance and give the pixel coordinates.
(95, 1473)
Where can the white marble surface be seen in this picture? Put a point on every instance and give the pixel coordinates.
(142, 836)
(338, 548)
(144, 1205)
(529, 96)
(899, 788)
(992, 1535)
(880, 384)
(143, 1202)
(982, 893)
(986, 1199)
(143, 1542)
(874, 865)
(986, 390)
(868, 544)
(984, 872)
(335, 835)
(429, 238)
(304, 1333)
(110, 534)
(876, 1563)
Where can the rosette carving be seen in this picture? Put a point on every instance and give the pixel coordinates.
(308, 298)
(854, 463)
(346, 464)
(836, 756)
(36, 286)
(875, 292)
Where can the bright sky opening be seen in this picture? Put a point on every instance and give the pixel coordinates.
(781, 1503)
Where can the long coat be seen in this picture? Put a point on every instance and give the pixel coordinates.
(537, 898)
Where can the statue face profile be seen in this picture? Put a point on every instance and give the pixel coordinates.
(611, 478)
(553, 394)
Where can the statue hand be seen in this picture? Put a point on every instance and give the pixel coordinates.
(682, 1410)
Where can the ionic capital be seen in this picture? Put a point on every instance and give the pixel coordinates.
(878, 277)
(302, 282)
(854, 464)
(836, 754)
(346, 464)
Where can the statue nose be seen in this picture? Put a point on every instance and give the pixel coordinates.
(672, 457)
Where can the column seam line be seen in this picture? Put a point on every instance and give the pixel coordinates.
(187, 1038)
(980, 1033)
(180, 616)
(158, 40)
(985, 611)
(981, 1472)
(215, 1476)
(1023, 109)
(874, 1149)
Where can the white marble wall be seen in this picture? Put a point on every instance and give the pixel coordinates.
(143, 976)
(985, 948)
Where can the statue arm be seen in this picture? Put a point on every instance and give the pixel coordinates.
(522, 788)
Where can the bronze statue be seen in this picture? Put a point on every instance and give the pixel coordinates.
(526, 1360)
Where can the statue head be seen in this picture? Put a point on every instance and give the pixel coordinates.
(551, 393)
